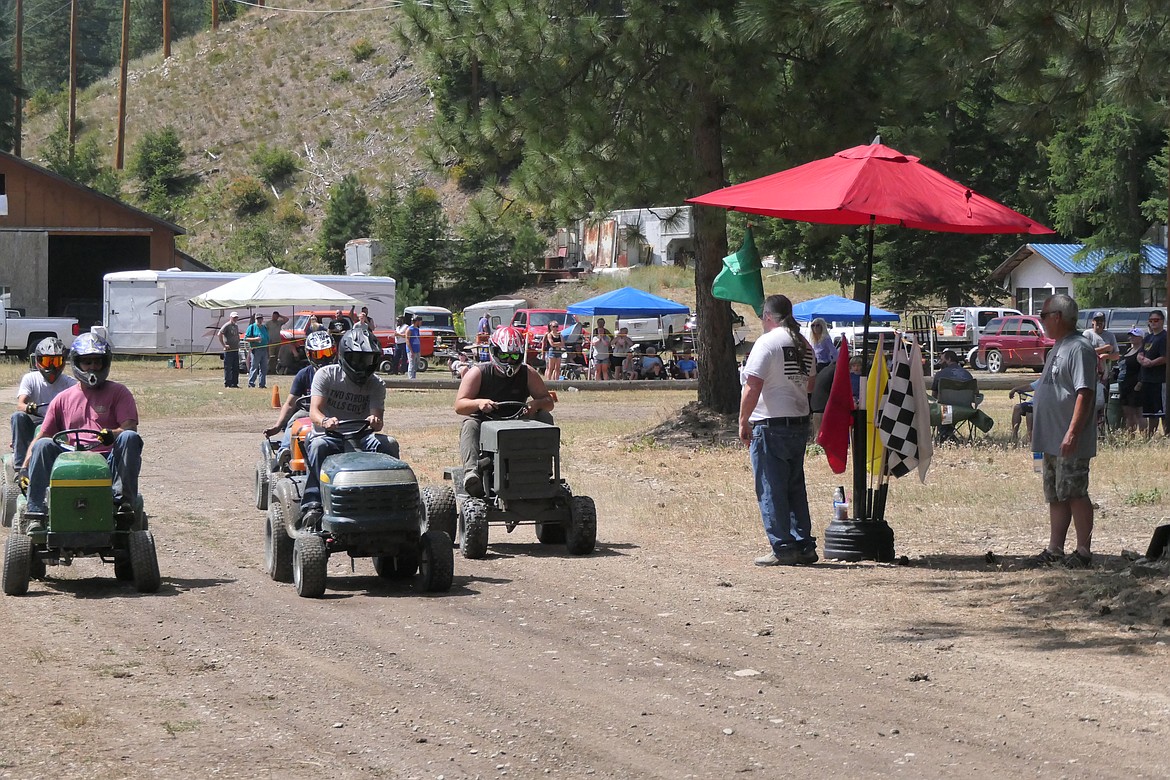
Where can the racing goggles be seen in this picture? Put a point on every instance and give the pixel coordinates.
(511, 357)
(50, 361)
(321, 354)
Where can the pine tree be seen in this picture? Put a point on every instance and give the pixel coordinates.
(348, 215)
(413, 235)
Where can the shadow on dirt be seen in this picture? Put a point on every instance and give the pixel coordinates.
(503, 550)
(104, 587)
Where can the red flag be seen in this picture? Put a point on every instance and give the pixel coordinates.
(838, 416)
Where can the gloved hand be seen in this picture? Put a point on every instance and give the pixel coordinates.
(270, 432)
(31, 408)
(106, 436)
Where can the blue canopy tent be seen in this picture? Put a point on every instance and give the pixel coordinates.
(627, 302)
(834, 308)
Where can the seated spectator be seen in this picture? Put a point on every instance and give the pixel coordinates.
(688, 366)
(1023, 409)
(652, 367)
(950, 370)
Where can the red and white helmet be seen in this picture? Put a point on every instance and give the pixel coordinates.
(507, 350)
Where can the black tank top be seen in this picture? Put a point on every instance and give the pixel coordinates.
(495, 386)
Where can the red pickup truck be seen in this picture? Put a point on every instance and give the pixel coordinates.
(1010, 342)
(290, 358)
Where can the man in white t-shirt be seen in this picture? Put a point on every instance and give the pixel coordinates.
(37, 388)
(774, 423)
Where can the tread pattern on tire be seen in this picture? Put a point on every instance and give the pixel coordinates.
(581, 536)
(436, 568)
(144, 560)
(473, 537)
(17, 564)
(441, 512)
(278, 545)
(262, 486)
(310, 566)
(8, 493)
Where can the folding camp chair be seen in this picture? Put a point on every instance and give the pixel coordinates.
(963, 398)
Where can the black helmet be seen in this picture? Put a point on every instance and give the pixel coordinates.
(359, 355)
(49, 358)
(88, 345)
(320, 348)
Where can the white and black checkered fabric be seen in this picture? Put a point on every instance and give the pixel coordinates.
(898, 423)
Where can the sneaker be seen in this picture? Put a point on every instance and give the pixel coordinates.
(473, 484)
(311, 515)
(1078, 561)
(808, 556)
(1045, 559)
(125, 508)
(787, 557)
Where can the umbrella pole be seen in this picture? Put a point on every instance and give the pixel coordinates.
(860, 449)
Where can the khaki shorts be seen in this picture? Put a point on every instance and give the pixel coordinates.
(1065, 478)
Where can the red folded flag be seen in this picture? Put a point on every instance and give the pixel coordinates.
(838, 416)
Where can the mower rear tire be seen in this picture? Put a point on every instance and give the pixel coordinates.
(262, 484)
(18, 551)
(436, 567)
(310, 566)
(144, 559)
(441, 514)
(581, 536)
(473, 528)
(278, 545)
(8, 493)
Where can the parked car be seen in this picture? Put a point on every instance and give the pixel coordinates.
(1119, 322)
(1013, 342)
(534, 324)
(739, 329)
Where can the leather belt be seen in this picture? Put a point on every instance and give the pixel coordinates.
(781, 421)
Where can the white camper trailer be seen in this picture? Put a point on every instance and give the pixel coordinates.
(147, 312)
(498, 312)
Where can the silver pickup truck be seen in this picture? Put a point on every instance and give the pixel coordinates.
(22, 334)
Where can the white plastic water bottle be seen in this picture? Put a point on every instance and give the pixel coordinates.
(1038, 462)
(840, 505)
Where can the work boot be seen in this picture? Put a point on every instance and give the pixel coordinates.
(35, 522)
(473, 484)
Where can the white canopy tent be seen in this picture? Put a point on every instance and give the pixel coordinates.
(272, 288)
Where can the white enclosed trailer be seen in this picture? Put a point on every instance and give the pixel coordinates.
(147, 312)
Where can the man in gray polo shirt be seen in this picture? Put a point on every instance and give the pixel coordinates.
(1064, 430)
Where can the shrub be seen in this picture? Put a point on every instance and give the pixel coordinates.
(290, 214)
(362, 50)
(341, 76)
(275, 165)
(247, 196)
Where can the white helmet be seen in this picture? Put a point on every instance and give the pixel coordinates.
(507, 350)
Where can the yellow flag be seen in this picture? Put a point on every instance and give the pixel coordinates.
(875, 391)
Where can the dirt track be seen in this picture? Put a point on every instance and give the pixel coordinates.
(650, 659)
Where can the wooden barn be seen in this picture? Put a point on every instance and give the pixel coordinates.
(58, 239)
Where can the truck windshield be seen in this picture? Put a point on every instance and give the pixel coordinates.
(541, 319)
(435, 320)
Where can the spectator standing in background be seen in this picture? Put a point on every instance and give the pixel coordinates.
(822, 342)
(256, 337)
(400, 351)
(599, 351)
(229, 338)
(1128, 375)
(1153, 375)
(414, 346)
(275, 323)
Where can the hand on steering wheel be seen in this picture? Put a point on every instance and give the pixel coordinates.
(62, 438)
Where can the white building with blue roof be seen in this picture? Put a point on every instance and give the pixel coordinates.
(1034, 272)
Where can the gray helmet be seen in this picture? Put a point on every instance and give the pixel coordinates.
(359, 355)
(87, 345)
(49, 358)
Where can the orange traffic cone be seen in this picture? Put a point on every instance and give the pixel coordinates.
(275, 397)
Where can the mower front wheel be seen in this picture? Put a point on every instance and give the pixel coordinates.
(581, 537)
(8, 493)
(473, 528)
(436, 568)
(18, 552)
(310, 566)
(439, 503)
(144, 561)
(262, 479)
(278, 545)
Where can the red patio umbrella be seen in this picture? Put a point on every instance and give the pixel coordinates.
(870, 185)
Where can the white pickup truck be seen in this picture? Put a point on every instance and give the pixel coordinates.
(662, 331)
(22, 334)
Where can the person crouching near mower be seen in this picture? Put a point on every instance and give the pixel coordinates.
(94, 403)
(321, 350)
(505, 377)
(37, 388)
(346, 390)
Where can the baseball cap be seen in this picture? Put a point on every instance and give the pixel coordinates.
(1137, 332)
(235, 315)
(1098, 315)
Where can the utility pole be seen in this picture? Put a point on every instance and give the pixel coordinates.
(72, 76)
(120, 150)
(18, 66)
(215, 15)
(166, 28)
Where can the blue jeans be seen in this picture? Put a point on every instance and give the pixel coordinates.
(778, 462)
(412, 364)
(321, 447)
(24, 428)
(259, 372)
(125, 461)
(231, 368)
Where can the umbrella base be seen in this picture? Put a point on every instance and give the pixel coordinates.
(859, 540)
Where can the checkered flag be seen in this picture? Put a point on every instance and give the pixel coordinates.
(905, 417)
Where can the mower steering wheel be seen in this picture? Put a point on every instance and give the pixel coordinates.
(508, 410)
(62, 438)
(350, 429)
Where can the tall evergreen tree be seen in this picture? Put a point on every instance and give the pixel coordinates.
(413, 234)
(348, 215)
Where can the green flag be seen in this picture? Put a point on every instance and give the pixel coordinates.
(741, 280)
